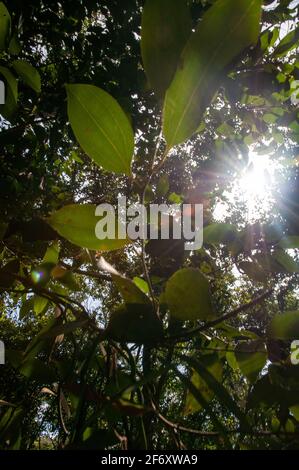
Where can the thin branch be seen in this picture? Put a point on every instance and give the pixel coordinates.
(179, 427)
(189, 333)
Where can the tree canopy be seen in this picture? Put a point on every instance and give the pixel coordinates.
(141, 344)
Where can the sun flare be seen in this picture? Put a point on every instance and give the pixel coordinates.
(256, 180)
(253, 188)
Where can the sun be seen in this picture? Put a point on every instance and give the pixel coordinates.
(252, 189)
(255, 183)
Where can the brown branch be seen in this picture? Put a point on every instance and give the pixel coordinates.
(179, 427)
(189, 333)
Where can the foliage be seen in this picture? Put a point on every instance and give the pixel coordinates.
(159, 101)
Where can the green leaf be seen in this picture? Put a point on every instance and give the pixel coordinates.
(7, 272)
(63, 329)
(289, 242)
(10, 427)
(214, 383)
(52, 254)
(253, 271)
(285, 326)
(40, 342)
(214, 366)
(224, 32)
(26, 308)
(9, 108)
(28, 74)
(136, 323)
(188, 296)
(279, 386)
(231, 360)
(199, 397)
(14, 47)
(11, 82)
(295, 411)
(289, 42)
(219, 233)
(101, 127)
(225, 130)
(5, 25)
(128, 408)
(142, 284)
(130, 292)
(163, 186)
(35, 369)
(74, 155)
(231, 332)
(269, 118)
(77, 223)
(40, 304)
(166, 26)
(175, 198)
(251, 357)
(286, 261)
(65, 277)
(269, 263)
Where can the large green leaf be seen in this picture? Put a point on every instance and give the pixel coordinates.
(219, 233)
(212, 363)
(251, 357)
(279, 386)
(212, 377)
(289, 242)
(128, 289)
(101, 127)
(285, 326)
(9, 108)
(166, 26)
(224, 32)
(52, 254)
(289, 42)
(188, 296)
(11, 81)
(286, 261)
(136, 323)
(40, 304)
(253, 270)
(7, 273)
(64, 329)
(5, 24)
(77, 223)
(200, 398)
(35, 369)
(28, 74)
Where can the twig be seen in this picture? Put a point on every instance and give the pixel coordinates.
(187, 334)
(179, 427)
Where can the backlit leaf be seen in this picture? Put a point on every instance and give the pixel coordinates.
(214, 366)
(5, 24)
(188, 296)
(28, 74)
(224, 32)
(101, 127)
(166, 26)
(77, 223)
(251, 357)
(285, 326)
